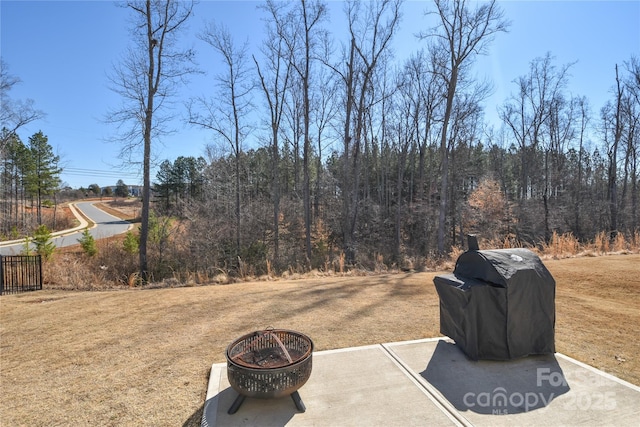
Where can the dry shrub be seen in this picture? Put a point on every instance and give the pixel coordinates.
(511, 241)
(67, 271)
(64, 219)
(456, 251)
(269, 268)
(487, 209)
(561, 246)
(110, 268)
(201, 277)
(566, 245)
(410, 263)
(619, 243)
(222, 279)
(340, 263)
(133, 280)
(56, 219)
(379, 265)
(245, 271)
(601, 243)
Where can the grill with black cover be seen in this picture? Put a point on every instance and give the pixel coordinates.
(498, 304)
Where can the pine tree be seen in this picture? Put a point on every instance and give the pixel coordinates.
(88, 243)
(42, 241)
(43, 175)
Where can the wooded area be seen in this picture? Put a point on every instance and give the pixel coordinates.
(358, 159)
(376, 157)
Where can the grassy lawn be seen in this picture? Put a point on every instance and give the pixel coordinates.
(142, 357)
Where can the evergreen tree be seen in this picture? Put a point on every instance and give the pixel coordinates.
(88, 243)
(42, 240)
(14, 160)
(131, 243)
(43, 175)
(121, 189)
(165, 182)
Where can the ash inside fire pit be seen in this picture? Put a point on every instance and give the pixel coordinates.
(268, 358)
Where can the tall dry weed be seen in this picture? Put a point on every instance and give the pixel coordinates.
(510, 241)
(561, 245)
(341, 261)
(133, 280)
(455, 252)
(601, 243)
(269, 268)
(379, 265)
(620, 243)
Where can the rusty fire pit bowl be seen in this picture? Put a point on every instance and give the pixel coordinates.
(269, 364)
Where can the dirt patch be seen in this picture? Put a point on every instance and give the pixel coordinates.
(142, 357)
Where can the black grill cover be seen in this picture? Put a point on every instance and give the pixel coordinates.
(498, 304)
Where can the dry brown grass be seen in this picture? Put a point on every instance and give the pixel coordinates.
(64, 219)
(127, 209)
(142, 357)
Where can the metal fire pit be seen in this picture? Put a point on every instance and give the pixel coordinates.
(269, 364)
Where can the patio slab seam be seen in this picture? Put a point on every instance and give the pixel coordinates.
(440, 401)
(415, 360)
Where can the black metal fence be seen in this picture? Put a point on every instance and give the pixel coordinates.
(20, 273)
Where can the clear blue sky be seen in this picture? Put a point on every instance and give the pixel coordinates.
(63, 52)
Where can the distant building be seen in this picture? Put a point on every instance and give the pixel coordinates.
(134, 190)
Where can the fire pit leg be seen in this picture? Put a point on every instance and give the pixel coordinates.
(295, 396)
(236, 404)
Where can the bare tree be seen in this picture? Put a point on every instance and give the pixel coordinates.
(527, 113)
(146, 79)
(225, 113)
(310, 16)
(275, 81)
(561, 129)
(424, 69)
(465, 129)
(632, 111)
(462, 34)
(613, 125)
(14, 114)
(325, 110)
(583, 107)
(408, 108)
(541, 120)
(371, 31)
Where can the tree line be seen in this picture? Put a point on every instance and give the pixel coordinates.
(357, 158)
(365, 158)
(30, 178)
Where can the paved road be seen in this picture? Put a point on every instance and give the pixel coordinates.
(106, 226)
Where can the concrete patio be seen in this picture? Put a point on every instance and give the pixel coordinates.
(431, 382)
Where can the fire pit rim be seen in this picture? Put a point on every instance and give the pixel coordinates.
(286, 367)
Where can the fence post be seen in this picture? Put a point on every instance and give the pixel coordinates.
(40, 271)
(1, 275)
